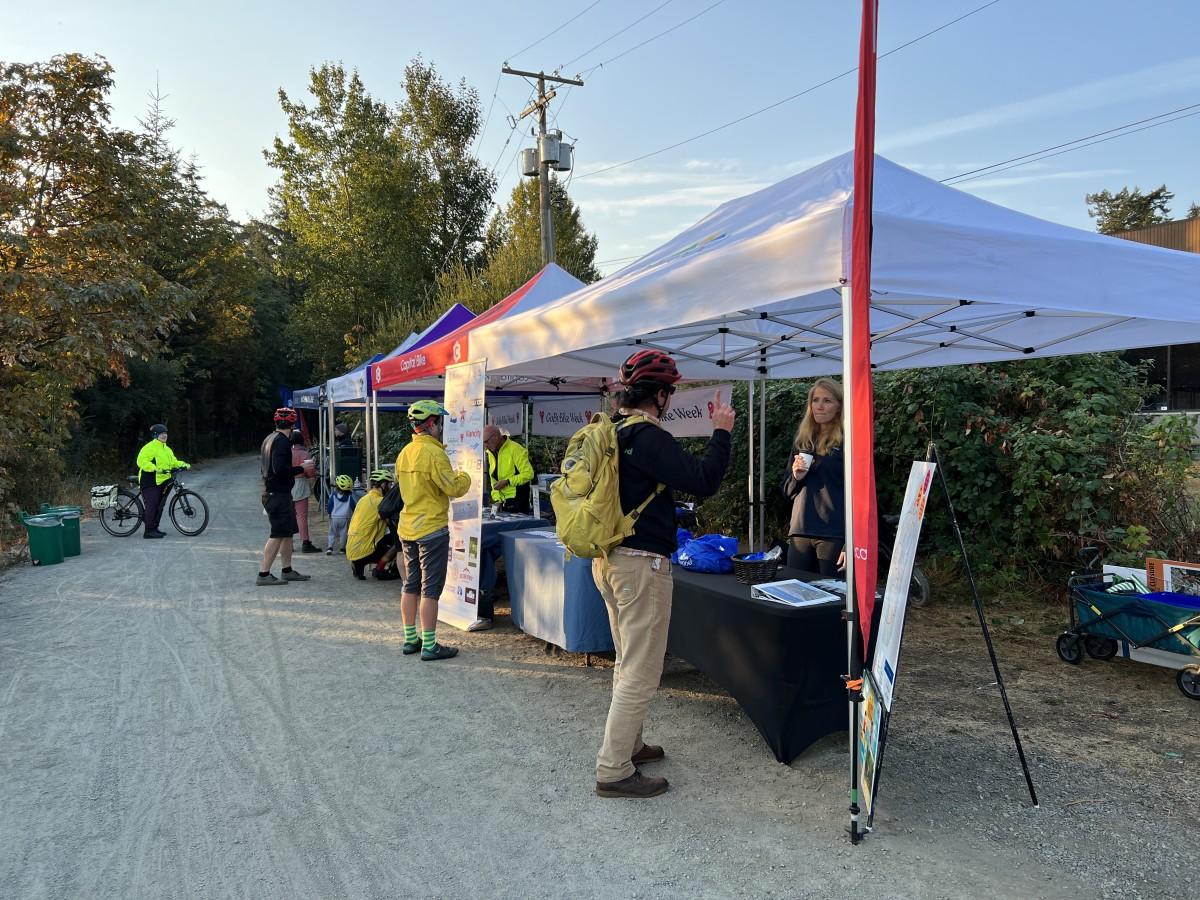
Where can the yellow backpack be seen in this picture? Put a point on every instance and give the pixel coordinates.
(587, 499)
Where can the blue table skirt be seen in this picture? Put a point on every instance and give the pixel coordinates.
(554, 598)
(490, 544)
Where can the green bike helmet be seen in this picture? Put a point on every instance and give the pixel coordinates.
(426, 409)
(380, 475)
(344, 482)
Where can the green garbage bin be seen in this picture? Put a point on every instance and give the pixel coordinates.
(55, 510)
(45, 539)
(71, 517)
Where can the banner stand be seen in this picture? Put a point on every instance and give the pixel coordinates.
(932, 456)
(871, 693)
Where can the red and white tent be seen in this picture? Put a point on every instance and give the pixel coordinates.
(425, 364)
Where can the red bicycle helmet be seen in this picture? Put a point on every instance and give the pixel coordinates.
(649, 365)
(285, 415)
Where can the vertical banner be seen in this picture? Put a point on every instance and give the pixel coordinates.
(895, 595)
(862, 404)
(509, 418)
(463, 436)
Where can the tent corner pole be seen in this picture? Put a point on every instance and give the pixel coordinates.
(750, 461)
(762, 459)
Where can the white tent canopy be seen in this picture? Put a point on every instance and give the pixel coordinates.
(753, 289)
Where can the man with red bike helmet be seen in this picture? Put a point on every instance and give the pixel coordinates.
(635, 578)
(646, 373)
(279, 475)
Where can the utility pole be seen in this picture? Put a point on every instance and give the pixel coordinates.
(546, 161)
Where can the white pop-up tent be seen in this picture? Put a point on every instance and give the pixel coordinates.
(754, 290)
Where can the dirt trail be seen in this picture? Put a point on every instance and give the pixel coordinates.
(169, 729)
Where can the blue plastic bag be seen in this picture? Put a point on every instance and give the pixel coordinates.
(709, 553)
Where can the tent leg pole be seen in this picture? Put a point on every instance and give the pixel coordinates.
(375, 424)
(750, 458)
(333, 472)
(762, 463)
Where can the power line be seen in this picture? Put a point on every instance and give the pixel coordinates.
(788, 99)
(615, 35)
(556, 30)
(963, 175)
(601, 65)
(1037, 158)
(488, 117)
(691, 18)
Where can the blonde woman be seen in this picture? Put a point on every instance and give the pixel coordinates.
(815, 482)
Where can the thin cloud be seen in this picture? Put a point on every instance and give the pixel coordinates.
(1008, 181)
(704, 196)
(1165, 78)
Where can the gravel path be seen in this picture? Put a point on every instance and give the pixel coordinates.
(169, 730)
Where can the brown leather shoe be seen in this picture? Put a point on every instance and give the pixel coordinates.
(635, 787)
(648, 753)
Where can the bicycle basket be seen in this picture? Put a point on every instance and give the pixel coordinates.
(104, 496)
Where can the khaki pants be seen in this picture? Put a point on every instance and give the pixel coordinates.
(637, 594)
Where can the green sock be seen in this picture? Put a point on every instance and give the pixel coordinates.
(410, 634)
(428, 640)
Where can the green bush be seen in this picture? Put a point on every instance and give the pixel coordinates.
(1041, 457)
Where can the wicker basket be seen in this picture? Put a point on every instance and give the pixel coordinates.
(754, 571)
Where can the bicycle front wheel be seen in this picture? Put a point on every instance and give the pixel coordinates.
(189, 513)
(124, 516)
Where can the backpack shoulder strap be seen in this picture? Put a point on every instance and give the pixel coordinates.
(638, 419)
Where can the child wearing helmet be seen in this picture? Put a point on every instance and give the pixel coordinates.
(340, 507)
(368, 537)
(428, 484)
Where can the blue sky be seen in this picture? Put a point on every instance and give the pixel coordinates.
(1013, 78)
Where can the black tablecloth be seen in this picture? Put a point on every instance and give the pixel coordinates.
(782, 665)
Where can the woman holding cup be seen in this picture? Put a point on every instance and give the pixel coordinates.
(815, 482)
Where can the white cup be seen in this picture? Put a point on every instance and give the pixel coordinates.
(808, 458)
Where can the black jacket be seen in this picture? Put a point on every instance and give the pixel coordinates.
(651, 456)
(276, 461)
(819, 498)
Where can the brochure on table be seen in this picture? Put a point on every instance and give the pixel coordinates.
(793, 592)
(463, 436)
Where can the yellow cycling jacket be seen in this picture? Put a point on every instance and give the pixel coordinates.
(511, 463)
(427, 484)
(366, 528)
(157, 458)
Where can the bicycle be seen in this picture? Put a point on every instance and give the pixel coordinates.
(187, 509)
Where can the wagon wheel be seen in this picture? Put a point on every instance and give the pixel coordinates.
(1069, 647)
(1188, 679)
(1100, 647)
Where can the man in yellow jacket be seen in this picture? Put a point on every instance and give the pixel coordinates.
(368, 540)
(155, 462)
(508, 467)
(427, 484)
